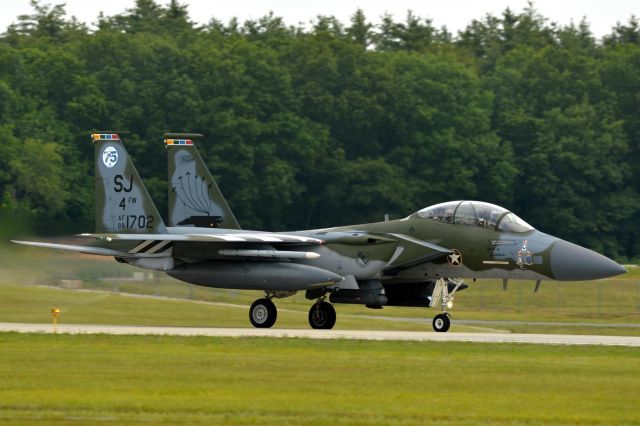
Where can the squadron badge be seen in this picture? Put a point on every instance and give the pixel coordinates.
(363, 260)
(524, 257)
(110, 156)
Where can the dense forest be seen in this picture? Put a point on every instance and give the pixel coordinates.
(334, 122)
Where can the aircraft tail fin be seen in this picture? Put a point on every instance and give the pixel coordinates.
(194, 196)
(123, 204)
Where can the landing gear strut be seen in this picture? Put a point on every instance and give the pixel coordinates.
(263, 313)
(322, 315)
(444, 298)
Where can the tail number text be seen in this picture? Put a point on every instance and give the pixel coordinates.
(133, 221)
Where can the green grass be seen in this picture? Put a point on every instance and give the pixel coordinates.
(33, 304)
(87, 379)
(165, 380)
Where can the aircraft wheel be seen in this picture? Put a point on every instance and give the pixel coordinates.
(441, 323)
(263, 313)
(322, 316)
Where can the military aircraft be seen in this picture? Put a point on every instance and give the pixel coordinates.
(420, 260)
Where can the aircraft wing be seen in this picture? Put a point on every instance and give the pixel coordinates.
(353, 237)
(411, 252)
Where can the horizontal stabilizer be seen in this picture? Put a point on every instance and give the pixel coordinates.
(244, 237)
(99, 251)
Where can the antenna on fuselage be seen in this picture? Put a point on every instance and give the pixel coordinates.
(535, 290)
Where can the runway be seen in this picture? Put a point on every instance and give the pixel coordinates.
(540, 339)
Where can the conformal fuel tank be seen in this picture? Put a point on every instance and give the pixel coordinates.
(255, 275)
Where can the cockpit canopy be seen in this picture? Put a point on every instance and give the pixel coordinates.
(476, 214)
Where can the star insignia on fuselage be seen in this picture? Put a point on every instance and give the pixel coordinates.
(455, 258)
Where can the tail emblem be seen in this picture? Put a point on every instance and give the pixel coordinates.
(195, 194)
(110, 156)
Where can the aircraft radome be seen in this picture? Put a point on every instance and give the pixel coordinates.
(420, 260)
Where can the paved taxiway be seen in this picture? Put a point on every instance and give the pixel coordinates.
(551, 339)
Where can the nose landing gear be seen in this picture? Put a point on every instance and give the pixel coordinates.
(441, 296)
(441, 323)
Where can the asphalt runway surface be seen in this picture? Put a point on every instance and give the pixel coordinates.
(549, 339)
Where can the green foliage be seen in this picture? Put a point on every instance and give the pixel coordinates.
(38, 176)
(338, 123)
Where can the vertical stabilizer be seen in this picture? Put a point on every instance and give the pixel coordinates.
(123, 204)
(194, 196)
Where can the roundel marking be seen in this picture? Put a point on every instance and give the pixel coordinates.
(110, 156)
(455, 258)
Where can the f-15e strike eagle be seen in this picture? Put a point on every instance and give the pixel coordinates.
(420, 260)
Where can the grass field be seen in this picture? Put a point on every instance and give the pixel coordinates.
(88, 379)
(33, 304)
(164, 380)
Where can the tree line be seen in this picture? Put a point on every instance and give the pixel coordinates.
(333, 123)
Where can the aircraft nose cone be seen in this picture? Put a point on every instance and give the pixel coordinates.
(570, 262)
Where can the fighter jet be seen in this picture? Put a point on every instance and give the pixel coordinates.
(420, 260)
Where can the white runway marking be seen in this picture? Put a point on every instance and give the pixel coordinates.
(547, 339)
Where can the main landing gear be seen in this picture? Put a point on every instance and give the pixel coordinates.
(263, 312)
(322, 315)
(441, 296)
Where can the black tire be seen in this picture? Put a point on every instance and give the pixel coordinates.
(263, 313)
(441, 323)
(322, 316)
